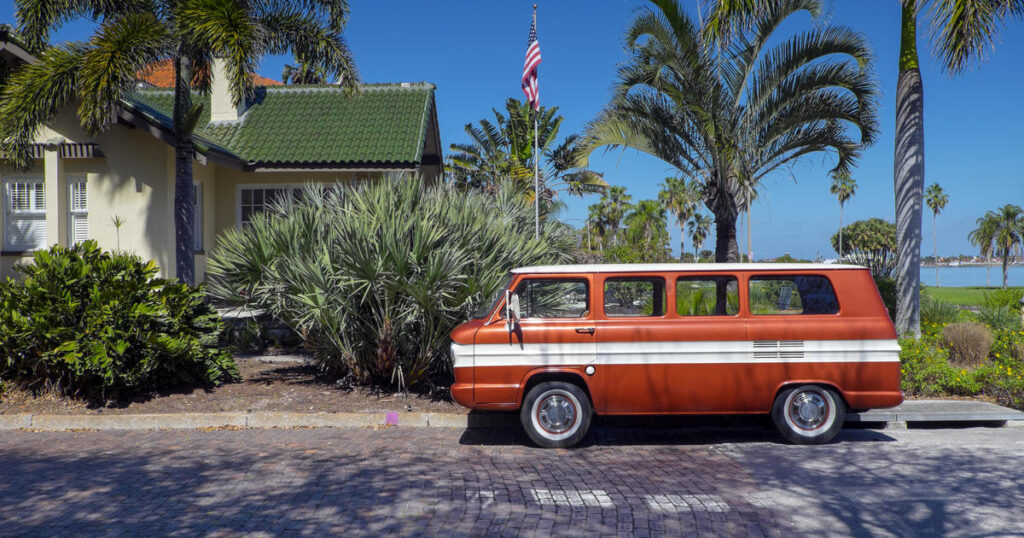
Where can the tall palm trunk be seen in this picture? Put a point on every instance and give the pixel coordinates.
(184, 204)
(988, 269)
(722, 204)
(935, 248)
(1006, 259)
(750, 246)
(682, 241)
(840, 232)
(908, 172)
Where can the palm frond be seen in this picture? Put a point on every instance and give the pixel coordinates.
(963, 29)
(34, 94)
(316, 43)
(121, 47)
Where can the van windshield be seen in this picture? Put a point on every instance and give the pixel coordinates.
(499, 293)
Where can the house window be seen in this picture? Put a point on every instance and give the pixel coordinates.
(24, 213)
(255, 200)
(197, 224)
(78, 207)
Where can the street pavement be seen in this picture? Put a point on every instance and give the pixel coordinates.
(640, 481)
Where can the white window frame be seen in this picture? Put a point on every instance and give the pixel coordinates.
(37, 211)
(77, 212)
(289, 187)
(197, 220)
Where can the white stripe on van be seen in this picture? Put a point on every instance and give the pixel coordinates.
(706, 352)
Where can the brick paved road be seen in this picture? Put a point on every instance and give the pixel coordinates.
(487, 482)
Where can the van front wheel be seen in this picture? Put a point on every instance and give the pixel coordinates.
(808, 414)
(556, 414)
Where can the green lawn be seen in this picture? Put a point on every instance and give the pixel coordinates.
(965, 296)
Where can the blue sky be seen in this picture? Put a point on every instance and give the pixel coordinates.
(473, 51)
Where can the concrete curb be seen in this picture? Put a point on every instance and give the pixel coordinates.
(191, 421)
(919, 412)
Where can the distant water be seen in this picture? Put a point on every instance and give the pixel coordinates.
(972, 275)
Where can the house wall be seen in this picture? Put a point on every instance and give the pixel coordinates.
(129, 181)
(135, 181)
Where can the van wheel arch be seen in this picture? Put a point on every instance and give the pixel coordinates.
(822, 384)
(535, 378)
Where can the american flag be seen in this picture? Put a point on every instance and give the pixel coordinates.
(530, 66)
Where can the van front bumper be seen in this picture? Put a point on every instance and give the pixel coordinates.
(462, 393)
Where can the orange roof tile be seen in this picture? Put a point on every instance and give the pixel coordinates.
(161, 75)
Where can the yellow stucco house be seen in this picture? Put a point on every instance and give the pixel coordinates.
(246, 156)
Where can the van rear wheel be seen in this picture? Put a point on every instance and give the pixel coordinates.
(556, 414)
(808, 414)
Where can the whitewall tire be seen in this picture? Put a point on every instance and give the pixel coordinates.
(556, 414)
(808, 414)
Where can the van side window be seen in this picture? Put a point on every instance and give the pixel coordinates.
(800, 294)
(634, 296)
(553, 298)
(707, 296)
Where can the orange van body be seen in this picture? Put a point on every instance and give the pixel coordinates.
(676, 364)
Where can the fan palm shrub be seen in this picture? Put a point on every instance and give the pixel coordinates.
(374, 277)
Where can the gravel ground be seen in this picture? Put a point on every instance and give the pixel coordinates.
(269, 383)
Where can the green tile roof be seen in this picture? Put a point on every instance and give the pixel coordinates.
(313, 125)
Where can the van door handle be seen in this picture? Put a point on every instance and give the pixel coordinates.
(585, 330)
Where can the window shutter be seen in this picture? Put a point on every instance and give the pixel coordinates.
(25, 214)
(79, 209)
(26, 232)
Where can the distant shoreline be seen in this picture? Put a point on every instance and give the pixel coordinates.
(972, 264)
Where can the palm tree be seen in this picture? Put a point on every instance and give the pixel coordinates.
(681, 198)
(699, 228)
(936, 199)
(727, 108)
(616, 204)
(645, 220)
(983, 237)
(844, 187)
(504, 148)
(304, 73)
(597, 220)
(100, 73)
(962, 30)
(1003, 230)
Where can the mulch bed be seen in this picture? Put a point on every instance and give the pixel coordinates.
(269, 383)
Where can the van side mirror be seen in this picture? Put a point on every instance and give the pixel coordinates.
(511, 309)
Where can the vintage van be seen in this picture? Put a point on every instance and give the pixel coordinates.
(804, 342)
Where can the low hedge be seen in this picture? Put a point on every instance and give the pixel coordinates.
(927, 370)
(101, 325)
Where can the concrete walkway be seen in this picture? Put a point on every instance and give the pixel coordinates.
(914, 411)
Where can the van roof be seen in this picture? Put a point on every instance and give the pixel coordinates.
(667, 267)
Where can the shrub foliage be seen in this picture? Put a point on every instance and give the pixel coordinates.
(969, 343)
(101, 325)
(375, 277)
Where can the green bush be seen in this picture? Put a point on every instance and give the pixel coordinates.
(1009, 297)
(939, 312)
(375, 277)
(926, 369)
(887, 289)
(102, 325)
(1000, 317)
(969, 343)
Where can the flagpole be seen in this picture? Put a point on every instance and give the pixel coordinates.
(536, 179)
(536, 161)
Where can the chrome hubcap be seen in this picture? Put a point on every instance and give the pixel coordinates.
(808, 410)
(556, 414)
